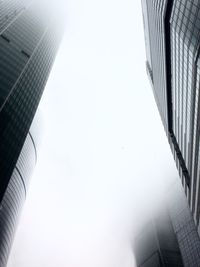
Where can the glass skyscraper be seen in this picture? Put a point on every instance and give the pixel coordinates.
(172, 37)
(29, 39)
(156, 245)
(167, 236)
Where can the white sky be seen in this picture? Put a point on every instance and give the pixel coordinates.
(103, 151)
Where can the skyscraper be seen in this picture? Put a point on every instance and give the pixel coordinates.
(172, 36)
(156, 245)
(29, 39)
(167, 235)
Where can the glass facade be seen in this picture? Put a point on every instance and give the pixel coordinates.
(172, 37)
(15, 195)
(185, 40)
(173, 44)
(168, 237)
(156, 244)
(29, 40)
(153, 14)
(183, 225)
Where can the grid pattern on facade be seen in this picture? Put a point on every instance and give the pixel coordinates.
(14, 198)
(10, 10)
(183, 225)
(195, 196)
(155, 10)
(9, 212)
(25, 88)
(182, 42)
(178, 50)
(19, 41)
(185, 39)
(156, 243)
(29, 41)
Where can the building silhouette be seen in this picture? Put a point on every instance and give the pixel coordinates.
(172, 39)
(156, 245)
(167, 236)
(29, 39)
